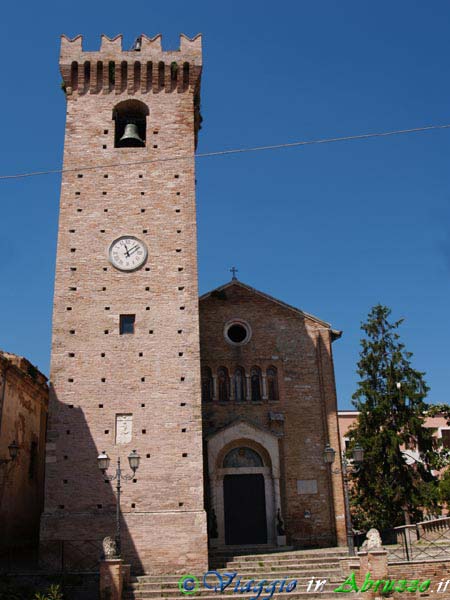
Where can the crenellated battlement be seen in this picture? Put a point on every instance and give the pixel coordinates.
(144, 68)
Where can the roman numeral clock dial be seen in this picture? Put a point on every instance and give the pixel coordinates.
(127, 253)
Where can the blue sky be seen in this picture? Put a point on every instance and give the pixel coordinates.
(332, 229)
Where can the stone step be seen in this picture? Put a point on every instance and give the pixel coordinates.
(158, 593)
(280, 573)
(298, 558)
(300, 571)
(294, 595)
(207, 593)
(301, 565)
(315, 552)
(286, 560)
(243, 550)
(291, 573)
(301, 578)
(295, 568)
(238, 563)
(290, 596)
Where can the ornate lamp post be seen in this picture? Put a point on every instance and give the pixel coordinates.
(13, 450)
(329, 456)
(103, 461)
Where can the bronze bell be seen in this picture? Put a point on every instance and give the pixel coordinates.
(131, 137)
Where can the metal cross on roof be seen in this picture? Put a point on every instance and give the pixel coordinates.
(234, 271)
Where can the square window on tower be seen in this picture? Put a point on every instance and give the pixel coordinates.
(127, 323)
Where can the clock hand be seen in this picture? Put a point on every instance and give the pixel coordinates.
(133, 249)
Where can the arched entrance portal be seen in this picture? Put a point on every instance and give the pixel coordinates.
(244, 498)
(244, 485)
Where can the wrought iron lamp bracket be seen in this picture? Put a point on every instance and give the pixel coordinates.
(116, 476)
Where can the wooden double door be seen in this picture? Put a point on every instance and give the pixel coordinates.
(245, 509)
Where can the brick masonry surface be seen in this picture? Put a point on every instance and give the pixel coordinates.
(154, 375)
(435, 570)
(23, 417)
(401, 575)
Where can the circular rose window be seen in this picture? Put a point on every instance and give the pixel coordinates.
(237, 332)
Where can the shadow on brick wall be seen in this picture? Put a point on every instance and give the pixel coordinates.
(80, 503)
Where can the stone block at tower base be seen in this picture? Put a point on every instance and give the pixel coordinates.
(162, 543)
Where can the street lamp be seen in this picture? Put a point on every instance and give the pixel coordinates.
(103, 461)
(358, 456)
(134, 459)
(13, 450)
(329, 456)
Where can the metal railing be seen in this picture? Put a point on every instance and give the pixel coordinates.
(54, 556)
(427, 540)
(70, 556)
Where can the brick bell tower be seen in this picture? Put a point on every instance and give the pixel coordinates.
(125, 369)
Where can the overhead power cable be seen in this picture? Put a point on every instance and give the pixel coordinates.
(347, 138)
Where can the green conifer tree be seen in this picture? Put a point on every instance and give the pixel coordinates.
(391, 400)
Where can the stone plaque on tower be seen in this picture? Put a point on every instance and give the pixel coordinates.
(124, 426)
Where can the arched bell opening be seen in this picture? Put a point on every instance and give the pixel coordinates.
(130, 119)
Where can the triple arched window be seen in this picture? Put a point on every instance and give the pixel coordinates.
(240, 385)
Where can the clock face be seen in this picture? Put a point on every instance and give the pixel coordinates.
(127, 253)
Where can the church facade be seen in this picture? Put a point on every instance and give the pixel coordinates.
(228, 402)
(269, 409)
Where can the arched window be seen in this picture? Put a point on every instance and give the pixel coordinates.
(223, 384)
(149, 75)
(130, 117)
(87, 76)
(99, 76)
(239, 384)
(173, 71)
(272, 384)
(123, 75)
(207, 385)
(255, 380)
(111, 74)
(137, 76)
(74, 75)
(242, 457)
(185, 75)
(161, 74)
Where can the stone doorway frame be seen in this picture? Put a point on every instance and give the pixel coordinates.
(244, 433)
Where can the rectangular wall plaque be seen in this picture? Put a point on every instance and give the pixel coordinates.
(307, 486)
(124, 427)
